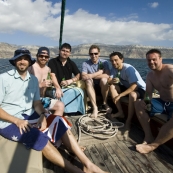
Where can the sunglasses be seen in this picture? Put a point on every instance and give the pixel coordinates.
(44, 56)
(96, 53)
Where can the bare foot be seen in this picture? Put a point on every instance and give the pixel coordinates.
(126, 134)
(94, 113)
(82, 148)
(91, 168)
(118, 115)
(145, 148)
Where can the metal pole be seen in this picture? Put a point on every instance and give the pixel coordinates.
(62, 21)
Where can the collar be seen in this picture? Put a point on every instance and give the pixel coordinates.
(16, 75)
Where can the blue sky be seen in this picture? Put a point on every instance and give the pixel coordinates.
(116, 22)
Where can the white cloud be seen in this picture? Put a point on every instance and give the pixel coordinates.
(154, 4)
(41, 17)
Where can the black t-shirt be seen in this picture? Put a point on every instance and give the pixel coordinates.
(61, 71)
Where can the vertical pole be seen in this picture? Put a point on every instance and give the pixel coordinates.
(62, 21)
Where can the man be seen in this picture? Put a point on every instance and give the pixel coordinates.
(22, 116)
(67, 73)
(130, 84)
(160, 78)
(95, 73)
(41, 70)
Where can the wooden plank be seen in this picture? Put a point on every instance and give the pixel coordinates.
(144, 162)
(137, 159)
(115, 158)
(124, 160)
(95, 155)
(151, 156)
(108, 160)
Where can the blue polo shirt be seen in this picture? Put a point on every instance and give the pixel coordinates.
(89, 67)
(17, 95)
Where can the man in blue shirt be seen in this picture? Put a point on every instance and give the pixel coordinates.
(95, 73)
(125, 80)
(23, 118)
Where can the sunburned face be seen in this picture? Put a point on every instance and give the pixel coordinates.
(94, 54)
(43, 58)
(22, 64)
(116, 62)
(154, 61)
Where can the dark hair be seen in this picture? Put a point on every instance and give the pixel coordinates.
(65, 45)
(94, 47)
(154, 51)
(120, 55)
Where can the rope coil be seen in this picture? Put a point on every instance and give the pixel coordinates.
(99, 127)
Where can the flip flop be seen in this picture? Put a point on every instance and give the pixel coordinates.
(106, 108)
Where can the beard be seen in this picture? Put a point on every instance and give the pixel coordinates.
(21, 68)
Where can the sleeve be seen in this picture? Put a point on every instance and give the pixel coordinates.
(131, 75)
(84, 67)
(112, 73)
(52, 66)
(106, 66)
(37, 91)
(2, 89)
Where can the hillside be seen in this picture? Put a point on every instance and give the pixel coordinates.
(81, 51)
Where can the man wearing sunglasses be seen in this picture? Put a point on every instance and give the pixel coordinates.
(95, 73)
(23, 118)
(41, 70)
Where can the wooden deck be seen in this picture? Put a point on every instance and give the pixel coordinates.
(117, 155)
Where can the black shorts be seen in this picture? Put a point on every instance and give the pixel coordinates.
(139, 90)
(97, 89)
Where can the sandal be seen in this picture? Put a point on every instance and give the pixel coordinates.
(106, 108)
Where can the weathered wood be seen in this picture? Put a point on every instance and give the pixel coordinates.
(117, 154)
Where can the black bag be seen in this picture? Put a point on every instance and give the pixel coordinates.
(51, 93)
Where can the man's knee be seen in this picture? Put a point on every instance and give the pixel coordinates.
(103, 81)
(133, 96)
(59, 105)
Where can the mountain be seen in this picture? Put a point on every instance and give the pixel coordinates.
(81, 51)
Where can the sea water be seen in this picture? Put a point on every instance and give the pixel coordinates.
(139, 64)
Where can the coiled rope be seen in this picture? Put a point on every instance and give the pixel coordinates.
(99, 127)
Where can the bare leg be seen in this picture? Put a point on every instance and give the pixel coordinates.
(114, 92)
(52, 154)
(92, 96)
(69, 140)
(104, 89)
(58, 108)
(144, 121)
(131, 109)
(165, 134)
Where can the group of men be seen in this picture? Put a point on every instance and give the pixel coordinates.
(24, 119)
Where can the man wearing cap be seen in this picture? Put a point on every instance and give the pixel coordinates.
(41, 70)
(22, 116)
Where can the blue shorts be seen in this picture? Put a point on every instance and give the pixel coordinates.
(162, 107)
(34, 138)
